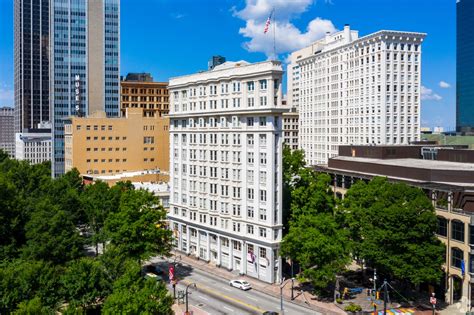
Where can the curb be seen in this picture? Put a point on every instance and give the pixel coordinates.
(296, 302)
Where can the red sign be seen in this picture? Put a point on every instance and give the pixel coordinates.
(171, 272)
(433, 300)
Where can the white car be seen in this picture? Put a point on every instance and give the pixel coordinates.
(240, 284)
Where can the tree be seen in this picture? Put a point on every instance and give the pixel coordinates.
(133, 294)
(33, 307)
(51, 235)
(393, 229)
(293, 165)
(137, 229)
(97, 205)
(23, 280)
(316, 238)
(85, 282)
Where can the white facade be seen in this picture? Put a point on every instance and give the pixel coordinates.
(226, 166)
(34, 147)
(355, 90)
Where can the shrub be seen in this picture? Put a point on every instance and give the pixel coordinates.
(353, 308)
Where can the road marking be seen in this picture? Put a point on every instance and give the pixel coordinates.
(202, 297)
(229, 309)
(252, 298)
(206, 289)
(227, 289)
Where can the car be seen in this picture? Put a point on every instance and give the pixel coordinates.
(240, 284)
(270, 313)
(153, 269)
(150, 275)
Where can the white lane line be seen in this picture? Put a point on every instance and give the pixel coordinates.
(229, 309)
(252, 298)
(202, 297)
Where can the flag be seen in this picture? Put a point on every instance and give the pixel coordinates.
(267, 23)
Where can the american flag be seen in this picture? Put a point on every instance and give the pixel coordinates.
(267, 24)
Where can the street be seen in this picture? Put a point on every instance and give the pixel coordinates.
(214, 295)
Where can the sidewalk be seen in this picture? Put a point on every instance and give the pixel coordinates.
(179, 309)
(301, 298)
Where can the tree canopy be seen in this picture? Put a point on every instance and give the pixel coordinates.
(393, 228)
(46, 227)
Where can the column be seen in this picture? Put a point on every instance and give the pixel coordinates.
(198, 242)
(271, 265)
(208, 247)
(243, 263)
(180, 236)
(188, 240)
(218, 250)
(231, 254)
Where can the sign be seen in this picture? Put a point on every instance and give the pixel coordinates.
(433, 300)
(171, 272)
(77, 92)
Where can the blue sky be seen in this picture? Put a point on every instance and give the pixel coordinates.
(175, 37)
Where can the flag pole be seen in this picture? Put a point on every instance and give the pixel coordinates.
(274, 45)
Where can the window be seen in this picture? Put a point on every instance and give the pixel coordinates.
(457, 256)
(263, 84)
(263, 140)
(262, 121)
(250, 86)
(250, 229)
(263, 232)
(250, 212)
(262, 214)
(263, 101)
(442, 226)
(250, 122)
(250, 158)
(263, 158)
(250, 140)
(263, 195)
(148, 140)
(262, 252)
(250, 102)
(250, 194)
(457, 230)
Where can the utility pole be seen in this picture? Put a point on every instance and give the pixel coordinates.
(385, 295)
(292, 287)
(375, 282)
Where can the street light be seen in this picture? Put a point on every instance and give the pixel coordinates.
(174, 269)
(292, 287)
(187, 287)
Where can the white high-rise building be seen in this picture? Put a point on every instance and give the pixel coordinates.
(226, 166)
(34, 145)
(352, 90)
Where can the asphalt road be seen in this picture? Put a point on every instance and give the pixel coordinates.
(215, 296)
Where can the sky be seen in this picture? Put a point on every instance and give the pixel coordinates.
(176, 37)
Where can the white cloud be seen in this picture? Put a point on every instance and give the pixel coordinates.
(444, 85)
(287, 36)
(428, 94)
(178, 15)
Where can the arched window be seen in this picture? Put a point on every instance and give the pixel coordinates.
(457, 230)
(457, 256)
(442, 227)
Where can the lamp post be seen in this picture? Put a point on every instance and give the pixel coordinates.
(292, 287)
(174, 269)
(187, 287)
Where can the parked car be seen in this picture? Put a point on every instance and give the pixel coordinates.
(153, 269)
(270, 313)
(240, 284)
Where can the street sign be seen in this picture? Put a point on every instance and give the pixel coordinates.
(433, 300)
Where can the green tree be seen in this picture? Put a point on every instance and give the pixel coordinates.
(293, 165)
(22, 280)
(85, 282)
(51, 235)
(33, 307)
(133, 294)
(137, 229)
(97, 203)
(316, 238)
(393, 229)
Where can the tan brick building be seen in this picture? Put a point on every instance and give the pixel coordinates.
(100, 145)
(139, 91)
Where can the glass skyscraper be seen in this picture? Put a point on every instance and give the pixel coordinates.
(85, 54)
(465, 66)
(31, 51)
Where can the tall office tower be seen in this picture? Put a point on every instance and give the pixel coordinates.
(226, 166)
(85, 58)
(7, 132)
(465, 66)
(31, 51)
(355, 90)
(214, 61)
